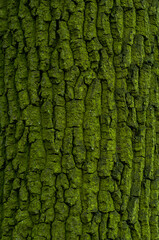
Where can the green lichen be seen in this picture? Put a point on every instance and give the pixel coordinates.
(79, 129)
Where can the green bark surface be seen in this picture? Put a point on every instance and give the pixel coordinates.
(79, 120)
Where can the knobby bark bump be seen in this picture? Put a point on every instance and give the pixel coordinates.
(79, 119)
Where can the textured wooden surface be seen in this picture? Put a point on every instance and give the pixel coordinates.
(79, 120)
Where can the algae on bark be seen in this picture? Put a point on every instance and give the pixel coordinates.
(79, 122)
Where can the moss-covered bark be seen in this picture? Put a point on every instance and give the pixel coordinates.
(79, 119)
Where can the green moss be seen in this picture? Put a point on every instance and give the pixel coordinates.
(129, 35)
(93, 98)
(138, 52)
(75, 182)
(37, 155)
(61, 211)
(41, 230)
(69, 92)
(144, 207)
(91, 182)
(154, 200)
(47, 177)
(22, 229)
(44, 56)
(52, 33)
(44, 12)
(28, 25)
(58, 230)
(76, 209)
(130, 18)
(126, 180)
(23, 99)
(145, 230)
(141, 115)
(60, 113)
(46, 86)
(103, 29)
(117, 22)
(80, 54)
(106, 71)
(79, 158)
(48, 138)
(92, 160)
(91, 229)
(4, 24)
(145, 79)
(103, 226)
(54, 163)
(11, 151)
(21, 215)
(62, 181)
(46, 114)
(137, 178)
(90, 20)
(67, 162)
(127, 56)
(10, 204)
(127, 3)
(105, 201)
(149, 160)
(31, 115)
(107, 184)
(114, 219)
(20, 64)
(34, 205)
(47, 197)
(133, 208)
(49, 215)
(23, 192)
(71, 196)
(116, 195)
(75, 24)
(59, 92)
(22, 146)
(79, 151)
(19, 129)
(72, 75)
(6, 224)
(74, 110)
(91, 138)
(58, 142)
(125, 147)
(67, 143)
(125, 201)
(57, 75)
(13, 112)
(16, 184)
(117, 46)
(33, 183)
(80, 88)
(33, 60)
(90, 187)
(73, 227)
(125, 231)
(86, 216)
(93, 46)
(142, 17)
(66, 57)
(1, 162)
(106, 163)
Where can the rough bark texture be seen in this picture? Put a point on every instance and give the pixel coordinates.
(79, 119)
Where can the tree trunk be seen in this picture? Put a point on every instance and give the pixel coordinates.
(79, 119)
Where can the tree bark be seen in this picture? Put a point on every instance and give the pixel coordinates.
(79, 119)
